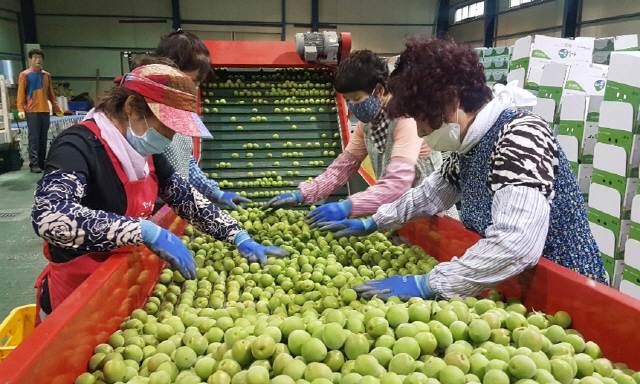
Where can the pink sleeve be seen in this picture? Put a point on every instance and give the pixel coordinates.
(407, 144)
(336, 175)
(356, 144)
(397, 179)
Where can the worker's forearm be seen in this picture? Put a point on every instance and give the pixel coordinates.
(191, 205)
(337, 174)
(397, 179)
(58, 217)
(513, 243)
(432, 196)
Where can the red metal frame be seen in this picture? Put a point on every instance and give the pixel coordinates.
(58, 350)
(601, 314)
(251, 54)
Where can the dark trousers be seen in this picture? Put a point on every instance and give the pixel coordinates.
(38, 124)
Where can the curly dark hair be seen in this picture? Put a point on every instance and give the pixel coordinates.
(361, 71)
(432, 74)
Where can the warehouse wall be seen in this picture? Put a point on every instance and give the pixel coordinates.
(377, 25)
(593, 11)
(543, 19)
(471, 32)
(83, 40)
(9, 38)
(599, 18)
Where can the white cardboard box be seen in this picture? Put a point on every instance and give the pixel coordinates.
(610, 171)
(535, 52)
(617, 129)
(573, 114)
(591, 125)
(626, 43)
(623, 82)
(550, 91)
(571, 148)
(586, 79)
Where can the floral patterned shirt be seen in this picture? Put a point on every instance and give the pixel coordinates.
(80, 202)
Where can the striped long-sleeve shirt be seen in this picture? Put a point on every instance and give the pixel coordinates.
(520, 210)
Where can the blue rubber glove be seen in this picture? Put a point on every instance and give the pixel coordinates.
(405, 287)
(228, 199)
(329, 212)
(168, 247)
(254, 252)
(284, 200)
(351, 227)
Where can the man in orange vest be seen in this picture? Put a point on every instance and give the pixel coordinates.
(34, 89)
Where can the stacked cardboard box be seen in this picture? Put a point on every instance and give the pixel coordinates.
(579, 118)
(550, 86)
(615, 162)
(594, 110)
(531, 54)
(603, 47)
(495, 62)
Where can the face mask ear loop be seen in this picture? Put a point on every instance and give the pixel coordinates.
(145, 121)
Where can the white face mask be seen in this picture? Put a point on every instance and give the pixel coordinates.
(446, 138)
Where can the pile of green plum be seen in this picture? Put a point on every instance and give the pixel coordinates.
(299, 321)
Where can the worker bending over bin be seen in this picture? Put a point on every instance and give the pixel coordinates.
(398, 157)
(102, 179)
(514, 182)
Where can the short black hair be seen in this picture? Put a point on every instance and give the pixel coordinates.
(36, 52)
(187, 51)
(361, 71)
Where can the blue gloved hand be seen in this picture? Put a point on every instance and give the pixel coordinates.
(405, 287)
(228, 199)
(255, 252)
(168, 247)
(284, 200)
(351, 227)
(329, 212)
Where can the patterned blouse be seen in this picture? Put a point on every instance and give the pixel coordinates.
(80, 201)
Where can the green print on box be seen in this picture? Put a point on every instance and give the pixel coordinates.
(574, 86)
(519, 63)
(631, 274)
(539, 54)
(634, 231)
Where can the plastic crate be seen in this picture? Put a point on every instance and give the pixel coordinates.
(78, 106)
(15, 328)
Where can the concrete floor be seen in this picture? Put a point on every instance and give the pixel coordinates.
(21, 258)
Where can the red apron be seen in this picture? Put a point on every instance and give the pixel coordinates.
(64, 278)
